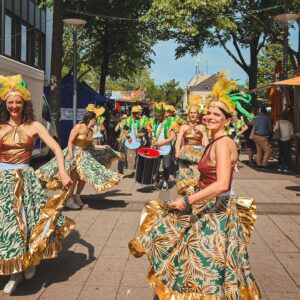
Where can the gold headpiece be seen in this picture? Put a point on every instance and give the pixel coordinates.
(159, 107)
(136, 109)
(220, 95)
(170, 108)
(13, 86)
(91, 107)
(194, 102)
(99, 111)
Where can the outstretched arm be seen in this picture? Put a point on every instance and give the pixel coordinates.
(53, 145)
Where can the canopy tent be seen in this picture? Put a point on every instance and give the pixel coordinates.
(291, 81)
(85, 96)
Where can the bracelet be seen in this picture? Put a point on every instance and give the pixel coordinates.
(186, 201)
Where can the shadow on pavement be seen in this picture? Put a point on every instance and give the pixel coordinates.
(293, 188)
(56, 270)
(104, 204)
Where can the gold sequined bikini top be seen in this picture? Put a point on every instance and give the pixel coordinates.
(84, 140)
(192, 137)
(16, 146)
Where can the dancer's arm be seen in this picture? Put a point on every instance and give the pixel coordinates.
(223, 153)
(53, 145)
(73, 134)
(178, 141)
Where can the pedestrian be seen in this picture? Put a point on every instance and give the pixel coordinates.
(196, 245)
(262, 129)
(31, 224)
(162, 133)
(80, 164)
(286, 130)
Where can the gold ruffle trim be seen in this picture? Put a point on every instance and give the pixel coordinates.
(26, 260)
(246, 208)
(55, 183)
(38, 244)
(245, 292)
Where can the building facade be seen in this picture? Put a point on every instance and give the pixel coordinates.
(25, 31)
(199, 87)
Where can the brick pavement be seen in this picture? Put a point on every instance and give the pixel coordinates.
(95, 262)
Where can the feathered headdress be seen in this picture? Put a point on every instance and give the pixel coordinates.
(159, 107)
(194, 102)
(220, 95)
(170, 108)
(13, 85)
(136, 109)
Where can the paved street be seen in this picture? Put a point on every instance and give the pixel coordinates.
(95, 262)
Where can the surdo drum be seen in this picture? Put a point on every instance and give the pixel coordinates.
(147, 166)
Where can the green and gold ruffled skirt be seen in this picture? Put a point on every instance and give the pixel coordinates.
(31, 225)
(201, 254)
(105, 155)
(88, 169)
(189, 175)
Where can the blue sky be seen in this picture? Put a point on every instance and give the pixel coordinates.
(166, 67)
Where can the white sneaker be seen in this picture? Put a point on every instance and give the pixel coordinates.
(29, 273)
(71, 204)
(77, 200)
(13, 283)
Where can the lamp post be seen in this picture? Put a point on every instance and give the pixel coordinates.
(76, 25)
(284, 21)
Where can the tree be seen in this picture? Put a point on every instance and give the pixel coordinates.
(173, 93)
(244, 24)
(119, 44)
(267, 60)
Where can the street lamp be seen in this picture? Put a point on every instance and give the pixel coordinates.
(284, 21)
(76, 25)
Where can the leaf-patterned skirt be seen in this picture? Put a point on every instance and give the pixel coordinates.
(106, 155)
(31, 225)
(88, 169)
(201, 254)
(189, 175)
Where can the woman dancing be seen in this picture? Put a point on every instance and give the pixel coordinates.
(80, 164)
(31, 224)
(190, 140)
(197, 244)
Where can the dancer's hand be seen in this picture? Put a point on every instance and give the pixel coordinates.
(178, 204)
(177, 154)
(157, 144)
(65, 179)
(70, 156)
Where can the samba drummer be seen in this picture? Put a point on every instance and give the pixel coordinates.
(162, 133)
(134, 131)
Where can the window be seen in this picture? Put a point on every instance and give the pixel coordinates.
(8, 36)
(38, 49)
(24, 43)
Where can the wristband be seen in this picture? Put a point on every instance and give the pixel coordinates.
(186, 201)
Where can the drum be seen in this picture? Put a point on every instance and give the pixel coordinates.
(147, 166)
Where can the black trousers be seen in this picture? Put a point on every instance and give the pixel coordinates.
(166, 161)
(284, 153)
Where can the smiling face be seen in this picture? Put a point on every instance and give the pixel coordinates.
(216, 119)
(193, 114)
(15, 105)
